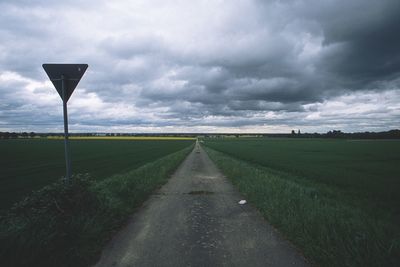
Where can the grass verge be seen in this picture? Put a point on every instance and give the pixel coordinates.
(68, 224)
(328, 231)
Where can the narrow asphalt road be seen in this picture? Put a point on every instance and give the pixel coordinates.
(195, 220)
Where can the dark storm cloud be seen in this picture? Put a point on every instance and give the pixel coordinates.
(359, 48)
(219, 64)
(366, 40)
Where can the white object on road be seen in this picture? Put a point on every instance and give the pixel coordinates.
(242, 202)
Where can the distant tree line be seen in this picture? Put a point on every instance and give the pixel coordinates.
(338, 134)
(13, 135)
(392, 134)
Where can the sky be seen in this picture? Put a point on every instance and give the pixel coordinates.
(168, 66)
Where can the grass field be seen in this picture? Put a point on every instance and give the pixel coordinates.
(337, 200)
(364, 169)
(29, 164)
(68, 224)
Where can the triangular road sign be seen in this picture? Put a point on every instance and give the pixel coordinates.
(72, 74)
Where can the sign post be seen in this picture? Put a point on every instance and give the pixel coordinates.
(66, 142)
(65, 78)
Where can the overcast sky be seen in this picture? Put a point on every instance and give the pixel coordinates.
(203, 66)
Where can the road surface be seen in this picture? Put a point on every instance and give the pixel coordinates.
(195, 220)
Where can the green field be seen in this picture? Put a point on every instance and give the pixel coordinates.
(68, 224)
(337, 200)
(28, 164)
(361, 168)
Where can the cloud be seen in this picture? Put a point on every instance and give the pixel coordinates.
(201, 65)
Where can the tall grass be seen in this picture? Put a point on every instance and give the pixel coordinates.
(329, 232)
(68, 224)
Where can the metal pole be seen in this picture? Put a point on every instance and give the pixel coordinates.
(66, 142)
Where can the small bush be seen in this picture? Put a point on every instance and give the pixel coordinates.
(47, 226)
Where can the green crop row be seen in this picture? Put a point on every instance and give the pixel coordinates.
(328, 231)
(30, 164)
(364, 172)
(68, 224)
